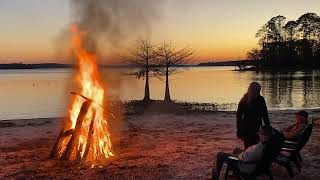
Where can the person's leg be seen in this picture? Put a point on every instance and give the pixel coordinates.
(246, 142)
(256, 139)
(221, 158)
(250, 140)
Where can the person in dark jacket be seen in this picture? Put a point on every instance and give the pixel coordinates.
(252, 109)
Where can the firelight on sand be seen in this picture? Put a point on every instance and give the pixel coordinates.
(85, 134)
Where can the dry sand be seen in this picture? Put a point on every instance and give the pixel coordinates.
(169, 146)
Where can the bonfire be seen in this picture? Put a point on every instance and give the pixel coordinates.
(85, 136)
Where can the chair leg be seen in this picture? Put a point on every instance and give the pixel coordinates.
(252, 177)
(298, 165)
(289, 169)
(270, 175)
(238, 176)
(213, 172)
(299, 157)
(227, 172)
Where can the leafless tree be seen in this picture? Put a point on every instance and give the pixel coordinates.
(143, 56)
(170, 60)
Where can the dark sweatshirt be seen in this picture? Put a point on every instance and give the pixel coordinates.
(249, 118)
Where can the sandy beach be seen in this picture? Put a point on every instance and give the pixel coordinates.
(168, 146)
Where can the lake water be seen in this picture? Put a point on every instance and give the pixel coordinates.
(46, 93)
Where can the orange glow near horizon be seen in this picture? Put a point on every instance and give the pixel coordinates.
(204, 52)
(37, 53)
(215, 30)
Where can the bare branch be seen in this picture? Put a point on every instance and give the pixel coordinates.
(143, 56)
(169, 56)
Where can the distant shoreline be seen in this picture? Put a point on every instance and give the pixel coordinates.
(235, 64)
(278, 69)
(50, 66)
(35, 66)
(70, 66)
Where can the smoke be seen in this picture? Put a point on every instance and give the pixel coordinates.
(113, 21)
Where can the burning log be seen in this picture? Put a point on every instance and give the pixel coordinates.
(57, 144)
(73, 142)
(89, 139)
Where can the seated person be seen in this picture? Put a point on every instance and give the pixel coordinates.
(251, 155)
(294, 131)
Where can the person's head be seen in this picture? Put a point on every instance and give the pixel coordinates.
(265, 133)
(301, 116)
(254, 90)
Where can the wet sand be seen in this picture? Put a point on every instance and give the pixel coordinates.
(168, 146)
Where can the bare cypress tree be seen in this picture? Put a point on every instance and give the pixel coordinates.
(170, 60)
(143, 57)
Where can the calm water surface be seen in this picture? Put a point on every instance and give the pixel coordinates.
(46, 93)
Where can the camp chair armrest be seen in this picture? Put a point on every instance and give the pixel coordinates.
(290, 142)
(287, 149)
(234, 158)
(290, 145)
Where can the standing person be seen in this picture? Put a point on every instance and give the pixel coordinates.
(252, 109)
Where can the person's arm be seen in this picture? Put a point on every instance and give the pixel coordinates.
(287, 134)
(289, 128)
(294, 133)
(252, 154)
(239, 119)
(265, 115)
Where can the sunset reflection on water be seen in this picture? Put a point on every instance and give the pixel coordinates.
(45, 93)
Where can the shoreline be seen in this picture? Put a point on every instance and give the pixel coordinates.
(315, 109)
(276, 69)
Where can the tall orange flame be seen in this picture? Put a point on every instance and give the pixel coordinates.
(92, 88)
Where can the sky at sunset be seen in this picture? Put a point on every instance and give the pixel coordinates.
(217, 30)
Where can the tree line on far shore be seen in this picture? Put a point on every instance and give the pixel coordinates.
(158, 60)
(288, 43)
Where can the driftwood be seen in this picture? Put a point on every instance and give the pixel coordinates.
(73, 142)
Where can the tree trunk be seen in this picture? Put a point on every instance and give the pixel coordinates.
(167, 91)
(146, 89)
